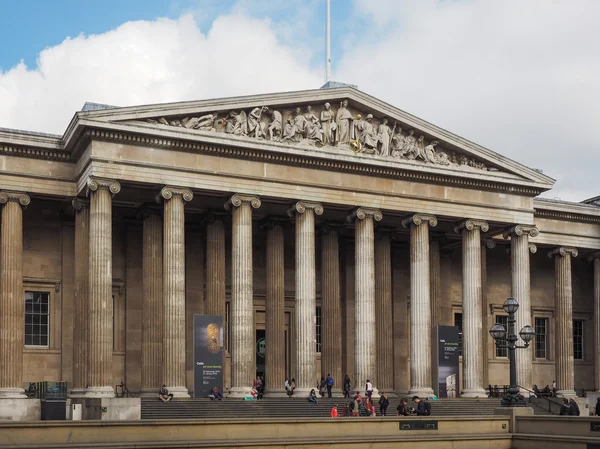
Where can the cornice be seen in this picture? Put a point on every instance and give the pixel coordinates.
(566, 216)
(35, 153)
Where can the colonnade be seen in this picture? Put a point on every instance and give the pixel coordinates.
(163, 315)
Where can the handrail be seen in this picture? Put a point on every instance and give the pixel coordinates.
(548, 399)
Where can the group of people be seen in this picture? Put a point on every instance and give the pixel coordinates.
(569, 407)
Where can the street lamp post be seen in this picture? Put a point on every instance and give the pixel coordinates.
(507, 338)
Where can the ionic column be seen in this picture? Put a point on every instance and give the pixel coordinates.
(174, 375)
(243, 366)
(12, 300)
(331, 306)
(565, 380)
(81, 299)
(306, 293)
(472, 297)
(364, 312)
(420, 304)
(100, 331)
(383, 314)
(487, 243)
(215, 267)
(521, 291)
(595, 259)
(275, 308)
(435, 282)
(153, 308)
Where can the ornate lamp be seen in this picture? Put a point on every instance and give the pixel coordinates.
(498, 332)
(511, 305)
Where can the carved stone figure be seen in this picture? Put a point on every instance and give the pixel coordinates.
(276, 126)
(299, 124)
(420, 148)
(237, 124)
(289, 129)
(255, 126)
(410, 145)
(312, 126)
(429, 154)
(385, 135)
(328, 125)
(204, 123)
(365, 133)
(398, 142)
(345, 130)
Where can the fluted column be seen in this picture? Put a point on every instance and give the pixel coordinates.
(215, 267)
(420, 304)
(275, 308)
(331, 306)
(12, 300)
(521, 291)
(485, 324)
(364, 312)
(153, 308)
(383, 313)
(174, 199)
(306, 293)
(472, 297)
(243, 366)
(435, 282)
(100, 331)
(81, 299)
(565, 380)
(595, 259)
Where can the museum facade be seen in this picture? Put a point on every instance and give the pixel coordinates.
(326, 227)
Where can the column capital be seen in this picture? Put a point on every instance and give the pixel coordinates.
(418, 219)
(489, 243)
(563, 251)
(593, 256)
(518, 230)
(94, 184)
(363, 212)
(239, 198)
(168, 192)
(22, 198)
(472, 224)
(80, 204)
(532, 248)
(301, 206)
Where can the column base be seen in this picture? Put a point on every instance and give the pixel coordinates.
(12, 393)
(566, 393)
(474, 393)
(275, 392)
(77, 393)
(421, 392)
(177, 392)
(112, 409)
(20, 410)
(239, 392)
(99, 392)
(150, 392)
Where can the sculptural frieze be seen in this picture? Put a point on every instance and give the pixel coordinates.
(322, 126)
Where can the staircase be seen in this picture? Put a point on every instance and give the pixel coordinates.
(295, 408)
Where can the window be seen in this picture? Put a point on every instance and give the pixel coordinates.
(541, 338)
(36, 318)
(502, 352)
(578, 339)
(227, 323)
(458, 323)
(318, 330)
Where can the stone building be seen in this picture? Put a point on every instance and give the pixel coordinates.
(337, 227)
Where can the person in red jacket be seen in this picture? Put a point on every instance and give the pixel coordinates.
(334, 412)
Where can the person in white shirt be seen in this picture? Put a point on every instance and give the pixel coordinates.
(369, 389)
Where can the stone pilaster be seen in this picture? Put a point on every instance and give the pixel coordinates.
(243, 366)
(174, 375)
(306, 293)
(420, 304)
(153, 307)
(364, 313)
(331, 306)
(383, 314)
(472, 298)
(81, 300)
(12, 301)
(100, 331)
(215, 267)
(595, 259)
(275, 308)
(521, 290)
(565, 380)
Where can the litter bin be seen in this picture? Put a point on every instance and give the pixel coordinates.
(76, 410)
(54, 410)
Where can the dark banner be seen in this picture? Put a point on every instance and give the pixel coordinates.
(208, 354)
(448, 380)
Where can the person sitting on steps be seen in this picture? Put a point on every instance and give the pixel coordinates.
(312, 397)
(215, 394)
(164, 394)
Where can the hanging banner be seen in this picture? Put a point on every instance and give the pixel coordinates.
(208, 354)
(447, 359)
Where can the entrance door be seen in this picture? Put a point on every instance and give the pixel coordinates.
(260, 352)
(260, 343)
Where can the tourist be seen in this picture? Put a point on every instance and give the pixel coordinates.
(215, 394)
(288, 387)
(293, 385)
(565, 409)
(369, 408)
(369, 389)
(384, 402)
(312, 397)
(322, 386)
(554, 388)
(355, 407)
(573, 408)
(357, 397)
(347, 386)
(421, 410)
(329, 382)
(164, 395)
(598, 407)
(260, 388)
(403, 409)
(334, 411)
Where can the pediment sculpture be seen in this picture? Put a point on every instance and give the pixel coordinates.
(345, 129)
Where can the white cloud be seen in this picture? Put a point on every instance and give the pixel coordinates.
(518, 77)
(151, 62)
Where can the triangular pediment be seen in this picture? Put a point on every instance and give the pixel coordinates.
(339, 121)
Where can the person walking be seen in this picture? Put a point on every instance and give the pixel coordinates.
(369, 389)
(329, 382)
(565, 408)
(573, 408)
(322, 387)
(347, 386)
(384, 402)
